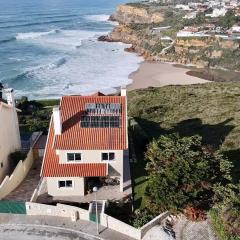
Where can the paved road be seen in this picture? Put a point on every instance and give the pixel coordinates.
(22, 226)
(28, 232)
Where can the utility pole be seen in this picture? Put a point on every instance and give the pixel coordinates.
(95, 189)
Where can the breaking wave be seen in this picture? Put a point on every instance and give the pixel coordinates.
(98, 18)
(33, 35)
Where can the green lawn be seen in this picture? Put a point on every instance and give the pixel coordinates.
(210, 110)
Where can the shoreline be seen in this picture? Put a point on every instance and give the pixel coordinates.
(159, 74)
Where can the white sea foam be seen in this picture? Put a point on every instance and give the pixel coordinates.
(95, 67)
(63, 40)
(98, 18)
(34, 35)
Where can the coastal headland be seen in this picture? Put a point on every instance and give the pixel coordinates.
(153, 30)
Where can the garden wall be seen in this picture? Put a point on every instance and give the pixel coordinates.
(18, 175)
(60, 210)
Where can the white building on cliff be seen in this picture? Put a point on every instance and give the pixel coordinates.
(9, 130)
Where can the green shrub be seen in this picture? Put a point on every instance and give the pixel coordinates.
(142, 217)
(182, 173)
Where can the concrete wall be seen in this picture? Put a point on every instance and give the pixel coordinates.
(129, 230)
(18, 175)
(75, 213)
(61, 210)
(9, 136)
(76, 190)
(157, 220)
(120, 226)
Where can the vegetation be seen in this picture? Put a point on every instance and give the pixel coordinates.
(35, 115)
(182, 174)
(142, 217)
(121, 210)
(220, 226)
(210, 111)
(228, 20)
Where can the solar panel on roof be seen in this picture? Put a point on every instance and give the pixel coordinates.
(103, 108)
(100, 121)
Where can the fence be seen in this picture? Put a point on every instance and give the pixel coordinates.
(18, 175)
(12, 207)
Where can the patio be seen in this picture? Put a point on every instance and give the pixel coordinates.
(103, 193)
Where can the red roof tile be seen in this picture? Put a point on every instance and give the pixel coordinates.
(52, 168)
(74, 137)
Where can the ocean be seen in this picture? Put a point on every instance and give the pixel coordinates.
(49, 48)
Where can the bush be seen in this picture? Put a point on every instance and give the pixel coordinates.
(120, 210)
(142, 217)
(182, 174)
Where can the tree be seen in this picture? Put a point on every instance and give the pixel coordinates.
(182, 173)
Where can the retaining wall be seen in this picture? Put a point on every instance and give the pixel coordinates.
(157, 220)
(75, 213)
(120, 226)
(20, 172)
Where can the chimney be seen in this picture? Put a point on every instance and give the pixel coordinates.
(123, 91)
(57, 120)
(10, 96)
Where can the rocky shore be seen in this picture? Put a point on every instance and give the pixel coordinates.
(136, 27)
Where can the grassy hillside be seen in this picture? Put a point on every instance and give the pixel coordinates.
(210, 110)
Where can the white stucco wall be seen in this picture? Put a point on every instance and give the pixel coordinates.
(94, 156)
(9, 136)
(76, 190)
(115, 167)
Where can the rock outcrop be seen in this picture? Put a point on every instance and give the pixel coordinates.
(135, 14)
(135, 25)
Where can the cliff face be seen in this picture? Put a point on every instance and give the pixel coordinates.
(206, 52)
(132, 14)
(136, 22)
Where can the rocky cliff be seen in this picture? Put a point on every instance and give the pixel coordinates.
(136, 22)
(137, 14)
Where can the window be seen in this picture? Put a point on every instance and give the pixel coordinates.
(65, 184)
(1, 164)
(108, 156)
(74, 157)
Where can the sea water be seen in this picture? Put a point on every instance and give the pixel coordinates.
(49, 48)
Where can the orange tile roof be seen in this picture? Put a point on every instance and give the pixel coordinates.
(52, 168)
(74, 137)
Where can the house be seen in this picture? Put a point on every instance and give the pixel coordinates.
(87, 144)
(9, 130)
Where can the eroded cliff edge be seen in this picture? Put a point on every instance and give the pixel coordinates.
(152, 32)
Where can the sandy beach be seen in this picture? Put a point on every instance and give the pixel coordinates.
(157, 74)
